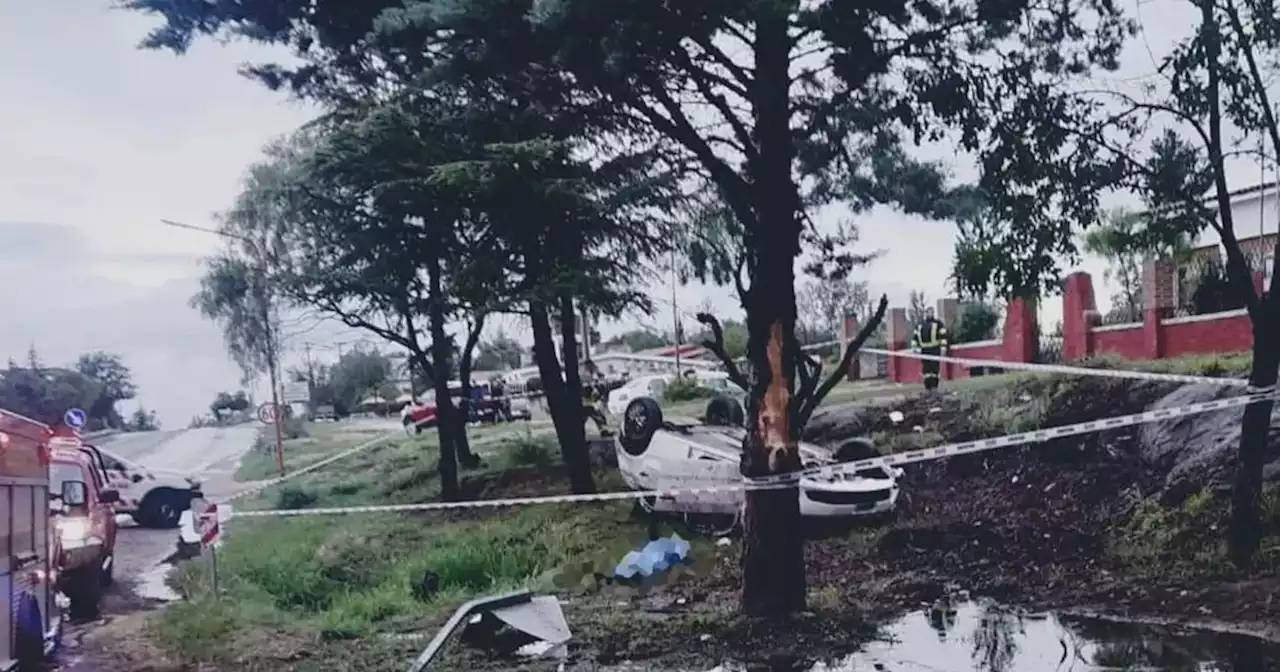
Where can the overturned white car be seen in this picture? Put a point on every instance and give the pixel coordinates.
(659, 454)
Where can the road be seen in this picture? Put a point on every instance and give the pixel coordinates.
(209, 452)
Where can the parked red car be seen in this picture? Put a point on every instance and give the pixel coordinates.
(85, 518)
(418, 417)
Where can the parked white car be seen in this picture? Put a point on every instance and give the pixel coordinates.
(153, 498)
(657, 454)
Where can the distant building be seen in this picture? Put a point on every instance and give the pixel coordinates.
(1255, 216)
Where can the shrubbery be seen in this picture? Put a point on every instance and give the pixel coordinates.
(687, 390)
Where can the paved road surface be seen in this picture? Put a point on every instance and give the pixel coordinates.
(209, 452)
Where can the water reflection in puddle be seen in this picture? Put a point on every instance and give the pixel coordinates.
(987, 637)
(151, 584)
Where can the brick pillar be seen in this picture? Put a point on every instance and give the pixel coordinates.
(949, 313)
(1021, 331)
(1079, 312)
(898, 338)
(1158, 277)
(849, 331)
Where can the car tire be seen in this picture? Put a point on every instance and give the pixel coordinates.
(28, 631)
(857, 448)
(641, 420)
(162, 508)
(723, 411)
(83, 587)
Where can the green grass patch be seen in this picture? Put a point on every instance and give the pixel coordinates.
(304, 443)
(1190, 538)
(355, 578)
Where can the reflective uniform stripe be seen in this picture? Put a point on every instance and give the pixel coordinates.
(937, 335)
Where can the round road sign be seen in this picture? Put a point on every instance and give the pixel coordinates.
(75, 418)
(270, 414)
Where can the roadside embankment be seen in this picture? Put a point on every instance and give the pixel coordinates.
(1086, 521)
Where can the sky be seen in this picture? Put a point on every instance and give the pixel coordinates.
(99, 141)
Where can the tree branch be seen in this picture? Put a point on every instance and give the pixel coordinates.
(716, 345)
(810, 372)
(811, 404)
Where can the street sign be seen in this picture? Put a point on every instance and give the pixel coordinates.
(270, 414)
(207, 524)
(75, 418)
(297, 392)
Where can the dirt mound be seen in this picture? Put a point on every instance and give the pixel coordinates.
(1198, 451)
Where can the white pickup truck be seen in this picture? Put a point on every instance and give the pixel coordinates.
(153, 498)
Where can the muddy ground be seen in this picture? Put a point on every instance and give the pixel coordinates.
(1039, 527)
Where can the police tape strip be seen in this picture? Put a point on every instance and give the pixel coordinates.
(1036, 436)
(784, 481)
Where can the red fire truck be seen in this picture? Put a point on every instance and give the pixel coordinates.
(30, 605)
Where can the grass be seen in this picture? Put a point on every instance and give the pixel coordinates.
(297, 590)
(325, 593)
(1188, 539)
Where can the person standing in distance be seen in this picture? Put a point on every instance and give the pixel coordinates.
(930, 338)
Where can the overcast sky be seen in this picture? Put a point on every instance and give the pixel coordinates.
(99, 141)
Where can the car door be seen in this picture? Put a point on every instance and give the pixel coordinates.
(102, 516)
(122, 477)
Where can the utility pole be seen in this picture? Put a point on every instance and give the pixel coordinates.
(269, 318)
(675, 314)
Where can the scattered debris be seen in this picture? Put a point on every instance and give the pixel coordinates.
(657, 556)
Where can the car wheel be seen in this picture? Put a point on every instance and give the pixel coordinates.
(725, 411)
(858, 448)
(162, 508)
(641, 420)
(83, 587)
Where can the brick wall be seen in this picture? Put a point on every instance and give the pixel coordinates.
(1018, 341)
(1157, 335)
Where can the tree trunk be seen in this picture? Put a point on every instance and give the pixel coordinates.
(1244, 534)
(773, 574)
(446, 413)
(566, 411)
(462, 443)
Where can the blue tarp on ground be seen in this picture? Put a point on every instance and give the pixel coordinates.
(656, 557)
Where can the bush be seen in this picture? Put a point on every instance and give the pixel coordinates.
(687, 390)
(295, 428)
(293, 497)
(532, 452)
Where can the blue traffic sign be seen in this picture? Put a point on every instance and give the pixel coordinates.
(75, 418)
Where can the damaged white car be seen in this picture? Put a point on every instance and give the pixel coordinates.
(660, 454)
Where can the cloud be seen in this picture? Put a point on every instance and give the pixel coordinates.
(55, 300)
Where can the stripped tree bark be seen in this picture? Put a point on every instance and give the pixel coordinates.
(774, 546)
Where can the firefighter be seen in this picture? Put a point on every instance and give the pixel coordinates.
(930, 338)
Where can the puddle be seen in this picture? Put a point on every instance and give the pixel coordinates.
(151, 584)
(987, 637)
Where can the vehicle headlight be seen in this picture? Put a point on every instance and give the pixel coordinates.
(74, 531)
